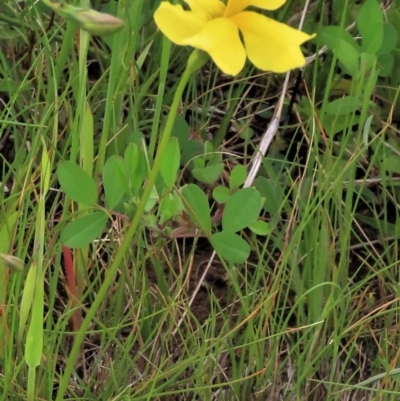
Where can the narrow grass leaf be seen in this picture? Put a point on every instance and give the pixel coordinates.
(170, 163)
(385, 228)
(46, 170)
(7, 228)
(230, 247)
(84, 230)
(242, 209)
(27, 299)
(34, 339)
(366, 129)
(77, 183)
(196, 205)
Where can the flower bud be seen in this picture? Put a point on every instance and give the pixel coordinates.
(12, 262)
(89, 20)
(98, 23)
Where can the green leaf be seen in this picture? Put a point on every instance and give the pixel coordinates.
(238, 177)
(366, 130)
(390, 164)
(241, 210)
(190, 148)
(209, 174)
(260, 227)
(349, 58)
(153, 199)
(178, 202)
(385, 63)
(210, 154)
(115, 181)
(230, 247)
(76, 183)
(384, 228)
(27, 299)
(7, 33)
(170, 163)
(370, 24)
(336, 124)
(7, 227)
(344, 47)
(131, 157)
(169, 206)
(273, 193)
(84, 230)
(344, 105)
(221, 194)
(34, 337)
(180, 130)
(246, 132)
(368, 61)
(137, 166)
(166, 208)
(45, 170)
(199, 162)
(196, 205)
(390, 35)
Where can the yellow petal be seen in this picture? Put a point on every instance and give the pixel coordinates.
(271, 45)
(176, 23)
(220, 39)
(235, 6)
(209, 8)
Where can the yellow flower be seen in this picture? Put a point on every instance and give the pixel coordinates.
(214, 27)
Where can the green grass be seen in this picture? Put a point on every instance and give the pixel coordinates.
(312, 315)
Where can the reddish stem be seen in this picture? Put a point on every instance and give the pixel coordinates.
(71, 284)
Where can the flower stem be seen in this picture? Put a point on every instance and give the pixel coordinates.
(196, 60)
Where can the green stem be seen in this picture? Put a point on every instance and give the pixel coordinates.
(31, 384)
(196, 60)
(166, 50)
